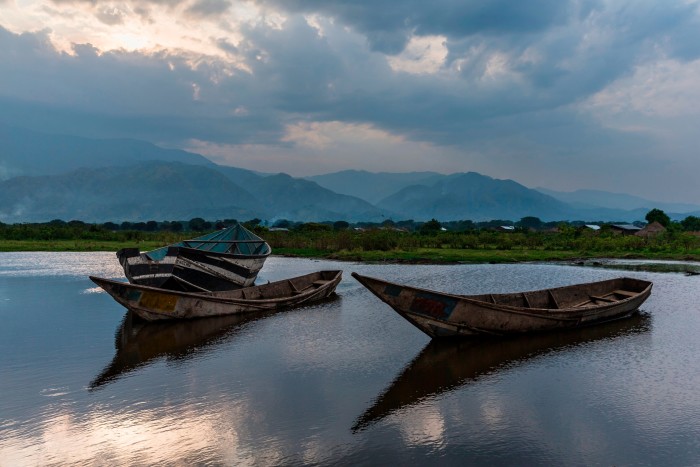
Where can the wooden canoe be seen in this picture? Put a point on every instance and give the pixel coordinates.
(223, 260)
(442, 315)
(153, 303)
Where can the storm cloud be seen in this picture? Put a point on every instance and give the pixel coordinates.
(537, 91)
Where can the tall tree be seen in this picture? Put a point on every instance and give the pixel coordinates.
(432, 226)
(198, 224)
(659, 216)
(691, 224)
(530, 222)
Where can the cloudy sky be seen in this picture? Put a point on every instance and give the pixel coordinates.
(563, 94)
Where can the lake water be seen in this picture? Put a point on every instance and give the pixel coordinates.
(344, 382)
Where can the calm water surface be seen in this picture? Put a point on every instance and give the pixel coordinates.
(342, 382)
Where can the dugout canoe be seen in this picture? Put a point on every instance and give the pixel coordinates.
(222, 260)
(447, 315)
(153, 303)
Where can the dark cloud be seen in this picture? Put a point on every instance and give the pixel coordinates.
(107, 3)
(684, 40)
(207, 8)
(293, 66)
(153, 97)
(76, 2)
(110, 16)
(568, 65)
(226, 46)
(388, 24)
(299, 74)
(512, 79)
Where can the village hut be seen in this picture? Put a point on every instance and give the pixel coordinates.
(651, 230)
(625, 229)
(589, 229)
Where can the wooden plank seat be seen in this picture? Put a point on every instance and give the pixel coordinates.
(315, 284)
(602, 299)
(295, 291)
(625, 293)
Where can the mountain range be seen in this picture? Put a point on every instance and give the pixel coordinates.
(45, 177)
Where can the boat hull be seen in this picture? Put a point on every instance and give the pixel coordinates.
(222, 260)
(447, 315)
(152, 303)
(188, 269)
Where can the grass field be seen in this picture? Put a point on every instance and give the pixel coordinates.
(446, 255)
(443, 254)
(73, 245)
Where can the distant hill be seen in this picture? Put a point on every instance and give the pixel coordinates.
(594, 199)
(242, 177)
(31, 153)
(294, 198)
(176, 191)
(172, 191)
(149, 191)
(373, 187)
(45, 177)
(475, 197)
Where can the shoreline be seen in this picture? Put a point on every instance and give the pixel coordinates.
(396, 256)
(491, 257)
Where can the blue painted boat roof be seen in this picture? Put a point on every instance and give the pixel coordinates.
(221, 241)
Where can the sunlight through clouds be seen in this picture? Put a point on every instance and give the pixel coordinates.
(666, 88)
(135, 26)
(473, 86)
(422, 55)
(321, 135)
(314, 148)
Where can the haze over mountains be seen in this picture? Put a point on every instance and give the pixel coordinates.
(45, 177)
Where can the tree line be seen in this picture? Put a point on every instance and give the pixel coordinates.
(527, 233)
(60, 229)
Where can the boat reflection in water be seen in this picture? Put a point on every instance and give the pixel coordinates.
(446, 364)
(139, 342)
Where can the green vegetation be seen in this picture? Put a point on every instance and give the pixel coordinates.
(78, 236)
(405, 241)
(657, 215)
(483, 246)
(73, 245)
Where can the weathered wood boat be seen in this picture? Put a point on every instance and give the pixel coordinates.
(223, 260)
(441, 314)
(153, 303)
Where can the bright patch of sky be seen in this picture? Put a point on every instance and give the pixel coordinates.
(325, 147)
(129, 26)
(421, 55)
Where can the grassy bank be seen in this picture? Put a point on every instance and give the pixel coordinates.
(432, 255)
(443, 255)
(74, 245)
(481, 246)
(417, 255)
(410, 247)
